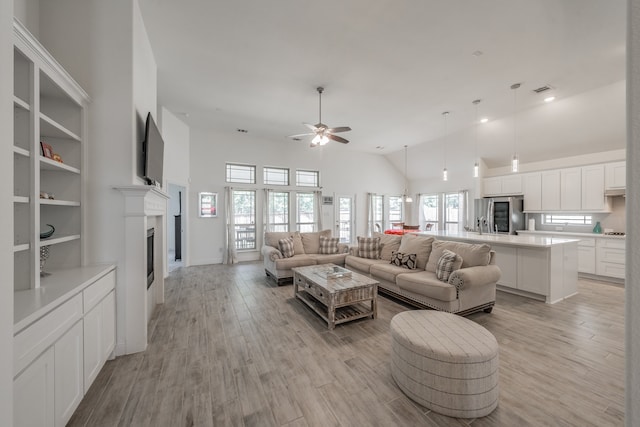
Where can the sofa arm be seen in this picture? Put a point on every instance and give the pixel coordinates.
(475, 276)
(271, 253)
(343, 248)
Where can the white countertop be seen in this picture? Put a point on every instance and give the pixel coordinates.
(570, 234)
(539, 241)
(60, 286)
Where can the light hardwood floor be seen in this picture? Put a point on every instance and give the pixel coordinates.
(229, 347)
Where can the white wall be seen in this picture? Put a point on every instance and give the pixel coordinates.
(341, 171)
(175, 134)
(6, 209)
(28, 12)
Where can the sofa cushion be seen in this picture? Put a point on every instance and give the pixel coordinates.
(329, 258)
(271, 238)
(294, 261)
(386, 271)
(286, 247)
(419, 245)
(426, 283)
(447, 264)
(311, 241)
(472, 254)
(369, 247)
(328, 245)
(362, 264)
(404, 260)
(390, 243)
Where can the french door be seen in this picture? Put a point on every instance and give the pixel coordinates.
(344, 216)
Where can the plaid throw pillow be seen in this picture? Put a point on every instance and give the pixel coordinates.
(329, 245)
(286, 247)
(369, 247)
(447, 264)
(404, 260)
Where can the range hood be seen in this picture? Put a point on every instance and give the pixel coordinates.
(612, 192)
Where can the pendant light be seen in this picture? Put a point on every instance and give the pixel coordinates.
(476, 166)
(514, 159)
(445, 175)
(405, 196)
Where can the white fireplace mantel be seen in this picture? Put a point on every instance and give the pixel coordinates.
(141, 203)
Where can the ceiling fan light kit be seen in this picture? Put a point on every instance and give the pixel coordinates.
(321, 132)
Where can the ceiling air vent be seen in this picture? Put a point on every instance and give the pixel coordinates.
(542, 89)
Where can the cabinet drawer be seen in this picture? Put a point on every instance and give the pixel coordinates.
(610, 270)
(94, 293)
(615, 256)
(587, 242)
(33, 340)
(354, 295)
(611, 243)
(316, 291)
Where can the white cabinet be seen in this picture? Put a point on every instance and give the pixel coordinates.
(550, 200)
(532, 191)
(571, 189)
(610, 258)
(33, 393)
(615, 175)
(507, 260)
(587, 256)
(533, 271)
(593, 198)
(68, 374)
(99, 337)
(508, 185)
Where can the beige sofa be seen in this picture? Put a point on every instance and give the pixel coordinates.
(470, 288)
(306, 252)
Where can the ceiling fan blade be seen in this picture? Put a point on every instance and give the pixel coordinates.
(300, 134)
(312, 127)
(339, 129)
(337, 138)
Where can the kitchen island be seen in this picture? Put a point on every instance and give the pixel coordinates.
(535, 266)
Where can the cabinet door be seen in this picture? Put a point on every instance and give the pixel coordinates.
(108, 307)
(69, 384)
(512, 185)
(492, 186)
(506, 259)
(33, 393)
(532, 190)
(550, 190)
(92, 345)
(586, 259)
(593, 188)
(533, 270)
(571, 189)
(615, 175)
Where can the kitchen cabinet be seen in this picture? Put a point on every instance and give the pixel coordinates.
(593, 198)
(615, 175)
(507, 185)
(68, 374)
(507, 260)
(610, 258)
(571, 189)
(532, 191)
(587, 256)
(33, 393)
(99, 337)
(532, 265)
(550, 200)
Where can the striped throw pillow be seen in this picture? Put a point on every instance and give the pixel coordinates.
(328, 245)
(447, 264)
(286, 247)
(369, 247)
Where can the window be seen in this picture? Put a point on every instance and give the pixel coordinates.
(306, 178)
(568, 219)
(395, 209)
(429, 208)
(278, 211)
(244, 213)
(305, 210)
(244, 174)
(451, 211)
(276, 176)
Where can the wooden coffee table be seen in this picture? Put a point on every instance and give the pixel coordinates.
(336, 299)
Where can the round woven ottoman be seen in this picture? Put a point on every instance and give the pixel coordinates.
(445, 362)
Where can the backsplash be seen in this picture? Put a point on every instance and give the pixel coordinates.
(614, 220)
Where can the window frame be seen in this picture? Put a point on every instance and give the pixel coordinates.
(251, 224)
(566, 220)
(315, 214)
(276, 170)
(273, 226)
(229, 166)
(309, 171)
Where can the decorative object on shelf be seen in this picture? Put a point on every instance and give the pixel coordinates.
(47, 151)
(44, 254)
(405, 196)
(48, 233)
(57, 157)
(597, 228)
(49, 196)
(514, 160)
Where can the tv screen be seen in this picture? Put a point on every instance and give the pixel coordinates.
(153, 153)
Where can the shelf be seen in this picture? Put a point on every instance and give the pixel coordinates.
(20, 248)
(17, 102)
(57, 240)
(58, 202)
(20, 151)
(51, 128)
(52, 165)
(20, 199)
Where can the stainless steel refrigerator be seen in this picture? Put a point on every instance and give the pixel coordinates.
(499, 214)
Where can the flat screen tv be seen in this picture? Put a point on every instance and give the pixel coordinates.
(153, 153)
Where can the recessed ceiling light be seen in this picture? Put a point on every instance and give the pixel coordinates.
(296, 139)
(549, 99)
(242, 130)
(379, 147)
(484, 120)
(477, 53)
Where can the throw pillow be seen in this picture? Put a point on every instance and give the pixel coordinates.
(404, 260)
(329, 245)
(369, 247)
(286, 247)
(447, 264)
(419, 245)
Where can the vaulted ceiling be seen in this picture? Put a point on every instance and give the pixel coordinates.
(390, 68)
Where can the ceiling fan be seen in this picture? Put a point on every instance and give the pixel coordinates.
(323, 133)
